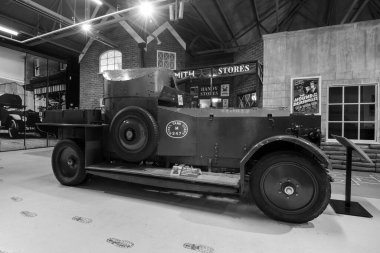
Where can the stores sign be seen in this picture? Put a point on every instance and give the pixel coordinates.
(205, 91)
(217, 71)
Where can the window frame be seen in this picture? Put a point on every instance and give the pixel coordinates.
(105, 53)
(376, 116)
(175, 59)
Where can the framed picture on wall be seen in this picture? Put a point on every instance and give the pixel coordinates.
(224, 90)
(305, 95)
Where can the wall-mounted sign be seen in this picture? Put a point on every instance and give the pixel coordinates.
(205, 91)
(224, 90)
(194, 91)
(217, 71)
(225, 103)
(305, 95)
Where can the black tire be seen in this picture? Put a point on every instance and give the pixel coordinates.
(287, 186)
(13, 129)
(68, 163)
(134, 134)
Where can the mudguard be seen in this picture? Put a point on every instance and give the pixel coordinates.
(305, 144)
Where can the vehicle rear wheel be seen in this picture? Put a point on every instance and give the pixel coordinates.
(289, 187)
(134, 133)
(68, 163)
(13, 129)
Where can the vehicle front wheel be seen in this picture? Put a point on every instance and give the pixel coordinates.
(13, 129)
(290, 187)
(68, 163)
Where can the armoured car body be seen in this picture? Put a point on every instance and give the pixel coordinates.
(147, 133)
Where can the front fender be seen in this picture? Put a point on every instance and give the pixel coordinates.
(304, 144)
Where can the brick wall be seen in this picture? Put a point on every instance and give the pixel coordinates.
(90, 81)
(248, 83)
(168, 43)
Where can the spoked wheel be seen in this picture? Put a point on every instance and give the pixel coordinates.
(13, 129)
(289, 187)
(134, 133)
(68, 163)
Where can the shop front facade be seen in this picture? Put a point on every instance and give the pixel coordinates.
(331, 71)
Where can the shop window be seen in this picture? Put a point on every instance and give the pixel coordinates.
(110, 60)
(166, 59)
(247, 100)
(352, 112)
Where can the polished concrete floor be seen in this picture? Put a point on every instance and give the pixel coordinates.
(39, 215)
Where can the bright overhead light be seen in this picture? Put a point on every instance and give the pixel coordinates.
(86, 27)
(146, 9)
(98, 2)
(7, 30)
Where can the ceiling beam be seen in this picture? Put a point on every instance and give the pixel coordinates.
(330, 7)
(57, 17)
(277, 16)
(225, 20)
(207, 22)
(59, 10)
(312, 17)
(217, 51)
(91, 40)
(126, 26)
(374, 8)
(70, 33)
(376, 4)
(254, 9)
(359, 11)
(352, 6)
(293, 10)
(267, 14)
(30, 28)
(307, 17)
(197, 33)
(193, 41)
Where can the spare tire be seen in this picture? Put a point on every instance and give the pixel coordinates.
(134, 134)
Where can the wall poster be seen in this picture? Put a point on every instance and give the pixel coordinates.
(305, 95)
(224, 90)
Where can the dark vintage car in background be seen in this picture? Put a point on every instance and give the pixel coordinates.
(14, 118)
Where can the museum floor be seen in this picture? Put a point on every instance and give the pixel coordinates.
(38, 215)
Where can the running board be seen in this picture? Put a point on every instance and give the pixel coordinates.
(160, 177)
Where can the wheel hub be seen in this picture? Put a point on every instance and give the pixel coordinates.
(289, 190)
(129, 135)
(70, 162)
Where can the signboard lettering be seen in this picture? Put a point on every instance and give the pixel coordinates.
(217, 71)
(205, 91)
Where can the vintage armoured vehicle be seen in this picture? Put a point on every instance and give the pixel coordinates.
(14, 118)
(147, 134)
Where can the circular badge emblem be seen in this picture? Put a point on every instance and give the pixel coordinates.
(176, 129)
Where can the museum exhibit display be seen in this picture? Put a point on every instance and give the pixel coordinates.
(15, 118)
(147, 133)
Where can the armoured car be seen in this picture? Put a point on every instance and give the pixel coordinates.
(147, 133)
